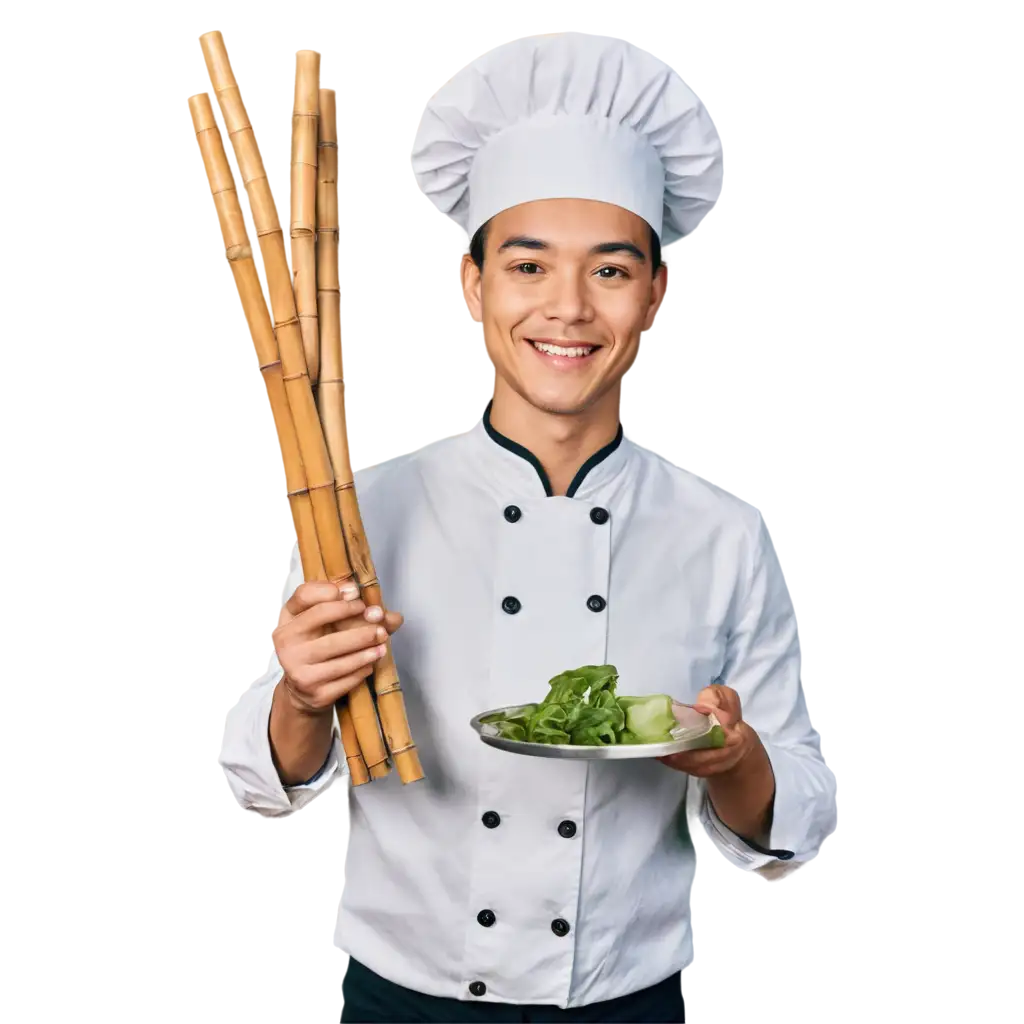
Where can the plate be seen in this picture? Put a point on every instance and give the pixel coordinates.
(692, 733)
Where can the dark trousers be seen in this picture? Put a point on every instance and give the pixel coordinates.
(369, 997)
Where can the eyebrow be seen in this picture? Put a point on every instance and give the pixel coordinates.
(524, 242)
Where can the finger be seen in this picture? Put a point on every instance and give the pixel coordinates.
(708, 697)
(729, 699)
(393, 620)
(709, 756)
(727, 718)
(312, 620)
(703, 767)
(345, 641)
(700, 758)
(310, 593)
(328, 695)
(313, 682)
(333, 692)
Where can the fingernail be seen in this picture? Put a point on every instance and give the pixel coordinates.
(349, 593)
(382, 633)
(374, 613)
(382, 650)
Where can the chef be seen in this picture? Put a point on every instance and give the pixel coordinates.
(540, 539)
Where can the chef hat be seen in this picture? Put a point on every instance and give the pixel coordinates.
(569, 115)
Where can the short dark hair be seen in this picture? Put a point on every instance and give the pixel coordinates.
(479, 241)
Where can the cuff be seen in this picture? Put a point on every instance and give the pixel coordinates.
(250, 769)
(324, 773)
(742, 852)
(803, 815)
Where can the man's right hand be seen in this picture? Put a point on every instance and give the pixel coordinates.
(321, 666)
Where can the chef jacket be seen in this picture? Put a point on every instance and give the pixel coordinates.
(519, 879)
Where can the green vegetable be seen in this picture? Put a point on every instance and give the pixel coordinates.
(582, 708)
(511, 725)
(650, 718)
(716, 736)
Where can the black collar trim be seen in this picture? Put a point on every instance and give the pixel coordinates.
(524, 453)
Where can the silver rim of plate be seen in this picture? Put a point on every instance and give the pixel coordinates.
(687, 739)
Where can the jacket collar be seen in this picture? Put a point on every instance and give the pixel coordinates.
(596, 472)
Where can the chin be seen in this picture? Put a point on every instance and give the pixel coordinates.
(556, 403)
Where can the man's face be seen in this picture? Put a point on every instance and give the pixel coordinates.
(565, 293)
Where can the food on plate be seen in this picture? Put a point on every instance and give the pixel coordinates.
(582, 708)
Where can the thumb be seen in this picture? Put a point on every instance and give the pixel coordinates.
(709, 697)
(393, 620)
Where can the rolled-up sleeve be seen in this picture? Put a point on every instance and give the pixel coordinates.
(763, 666)
(245, 750)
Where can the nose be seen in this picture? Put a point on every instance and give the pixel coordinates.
(567, 298)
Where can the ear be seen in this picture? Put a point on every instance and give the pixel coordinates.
(658, 287)
(472, 288)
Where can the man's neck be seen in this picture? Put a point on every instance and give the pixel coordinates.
(561, 442)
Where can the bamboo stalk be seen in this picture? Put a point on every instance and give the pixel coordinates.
(350, 741)
(239, 255)
(328, 320)
(390, 702)
(303, 196)
(312, 446)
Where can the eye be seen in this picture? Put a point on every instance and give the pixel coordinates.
(521, 267)
(615, 272)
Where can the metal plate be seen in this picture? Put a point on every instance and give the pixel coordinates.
(693, 733)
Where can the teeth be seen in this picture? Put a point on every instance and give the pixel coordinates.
(558, 350)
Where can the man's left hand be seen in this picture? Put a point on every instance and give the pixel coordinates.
(741, 741)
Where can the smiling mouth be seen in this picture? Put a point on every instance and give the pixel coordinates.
(567, 350)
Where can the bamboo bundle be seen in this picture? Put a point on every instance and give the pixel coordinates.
(276, 343)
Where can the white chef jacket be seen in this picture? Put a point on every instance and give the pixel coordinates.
(586, 866)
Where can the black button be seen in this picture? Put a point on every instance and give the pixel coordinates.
(599, 515)
(486, 918)
(511, 605)
(567, 829)
(595, 603)
(513, 513)
(560, 927)
(491, 819)
(478, 988)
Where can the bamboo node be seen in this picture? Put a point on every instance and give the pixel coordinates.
(332, 380)
(300, 490)
(402, 750)
(269, 231)
(295, 376)
(390, 689)
(328, 145)
(270, 366)
(238, 252)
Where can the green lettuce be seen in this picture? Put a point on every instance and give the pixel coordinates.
(582, 708)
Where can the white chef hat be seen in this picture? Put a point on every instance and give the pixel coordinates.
(569, 115)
